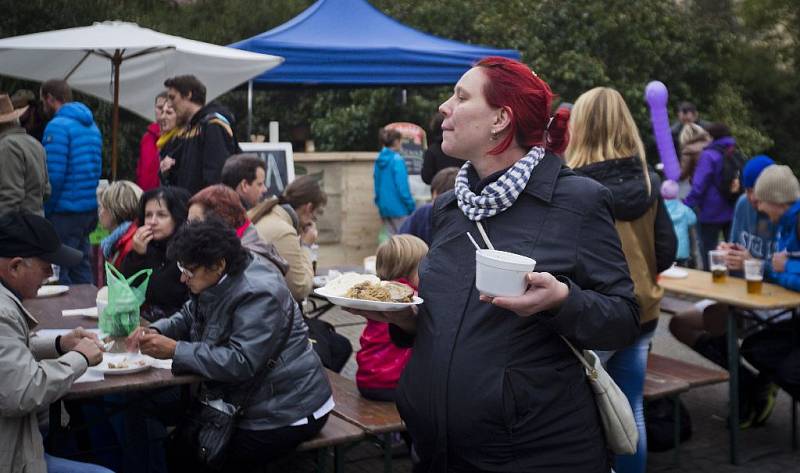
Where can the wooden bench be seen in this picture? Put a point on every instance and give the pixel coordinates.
(668, 377)
(695, 375)
(658, 386)
(336, 434)
(379, 419)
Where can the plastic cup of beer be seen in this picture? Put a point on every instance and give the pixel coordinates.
(754, 275)
(719, 270)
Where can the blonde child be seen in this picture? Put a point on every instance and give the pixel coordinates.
(380, 362)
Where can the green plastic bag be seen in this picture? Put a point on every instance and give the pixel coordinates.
(121, 316)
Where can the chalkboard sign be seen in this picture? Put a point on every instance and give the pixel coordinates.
(280, 164)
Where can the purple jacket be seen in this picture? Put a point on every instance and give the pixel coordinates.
(705, 195)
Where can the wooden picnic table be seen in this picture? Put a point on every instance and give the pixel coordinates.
(734, 293)
(47, 311)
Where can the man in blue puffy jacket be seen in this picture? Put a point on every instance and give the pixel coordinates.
(74, 149)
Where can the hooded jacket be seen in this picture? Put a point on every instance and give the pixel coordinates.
(787, 236)
(34, 376)
(74, 149)
(392, 194)
(643, 224)
(202, 149)
(24, 184)
(254, 244)
(229, 331)
(148, 165)
(705, 194)
(682, 218)
(488, 390)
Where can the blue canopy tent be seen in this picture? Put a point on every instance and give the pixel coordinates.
(349, 42)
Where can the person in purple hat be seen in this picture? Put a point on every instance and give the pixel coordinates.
(36, 371)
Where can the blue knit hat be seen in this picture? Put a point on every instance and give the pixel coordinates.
(752, 169)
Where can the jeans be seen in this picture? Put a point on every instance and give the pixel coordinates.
(627, 368)
(62, 465)
(709, 237)
(74, 230)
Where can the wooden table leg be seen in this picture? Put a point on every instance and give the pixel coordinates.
(733, 387)
(676, 400)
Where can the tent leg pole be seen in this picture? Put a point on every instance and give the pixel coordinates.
(117, 61)
(249, 109)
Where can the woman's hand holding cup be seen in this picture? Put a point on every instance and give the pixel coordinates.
(544, 292)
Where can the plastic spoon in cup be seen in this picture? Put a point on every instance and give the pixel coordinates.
(473, 241)
(484, 235)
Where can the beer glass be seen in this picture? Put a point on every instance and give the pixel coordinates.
(716, 260)
(754, 275)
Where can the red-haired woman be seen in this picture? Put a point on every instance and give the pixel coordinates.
(224, 203)
(491, 386)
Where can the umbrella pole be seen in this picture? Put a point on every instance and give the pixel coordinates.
(249, 109)
(116, 61)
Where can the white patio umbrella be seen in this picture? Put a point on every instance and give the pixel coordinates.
(125, 64)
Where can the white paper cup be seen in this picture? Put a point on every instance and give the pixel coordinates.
(500, 273)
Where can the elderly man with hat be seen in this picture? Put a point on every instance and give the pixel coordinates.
(778, 193)
(24, 184)
(35, 371)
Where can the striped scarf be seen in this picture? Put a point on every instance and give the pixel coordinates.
(499, 195)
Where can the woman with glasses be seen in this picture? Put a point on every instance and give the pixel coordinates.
(162, 211)
(289, 222)
(243, 332)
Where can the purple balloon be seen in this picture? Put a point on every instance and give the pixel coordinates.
(656, 95)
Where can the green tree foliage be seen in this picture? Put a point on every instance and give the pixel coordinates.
(736, 60)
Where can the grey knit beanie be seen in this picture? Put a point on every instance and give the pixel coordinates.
(777, 184)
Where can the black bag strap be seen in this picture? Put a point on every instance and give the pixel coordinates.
(255, 382)
(269, 366)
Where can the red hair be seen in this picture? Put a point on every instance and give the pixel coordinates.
(223, 202)
(511, 84)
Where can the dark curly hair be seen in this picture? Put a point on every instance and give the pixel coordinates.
(204, 243)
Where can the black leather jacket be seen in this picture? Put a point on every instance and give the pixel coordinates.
(240, 322)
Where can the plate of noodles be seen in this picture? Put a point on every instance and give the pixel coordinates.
(368, 292)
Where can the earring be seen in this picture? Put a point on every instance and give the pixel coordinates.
(494, 136)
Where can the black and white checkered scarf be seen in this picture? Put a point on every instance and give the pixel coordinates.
(499, 195)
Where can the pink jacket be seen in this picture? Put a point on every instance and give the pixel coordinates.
(380, 362)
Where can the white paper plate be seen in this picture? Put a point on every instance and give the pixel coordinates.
(47, 291)
(367, 305)
(675, 273)
(136, 363)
